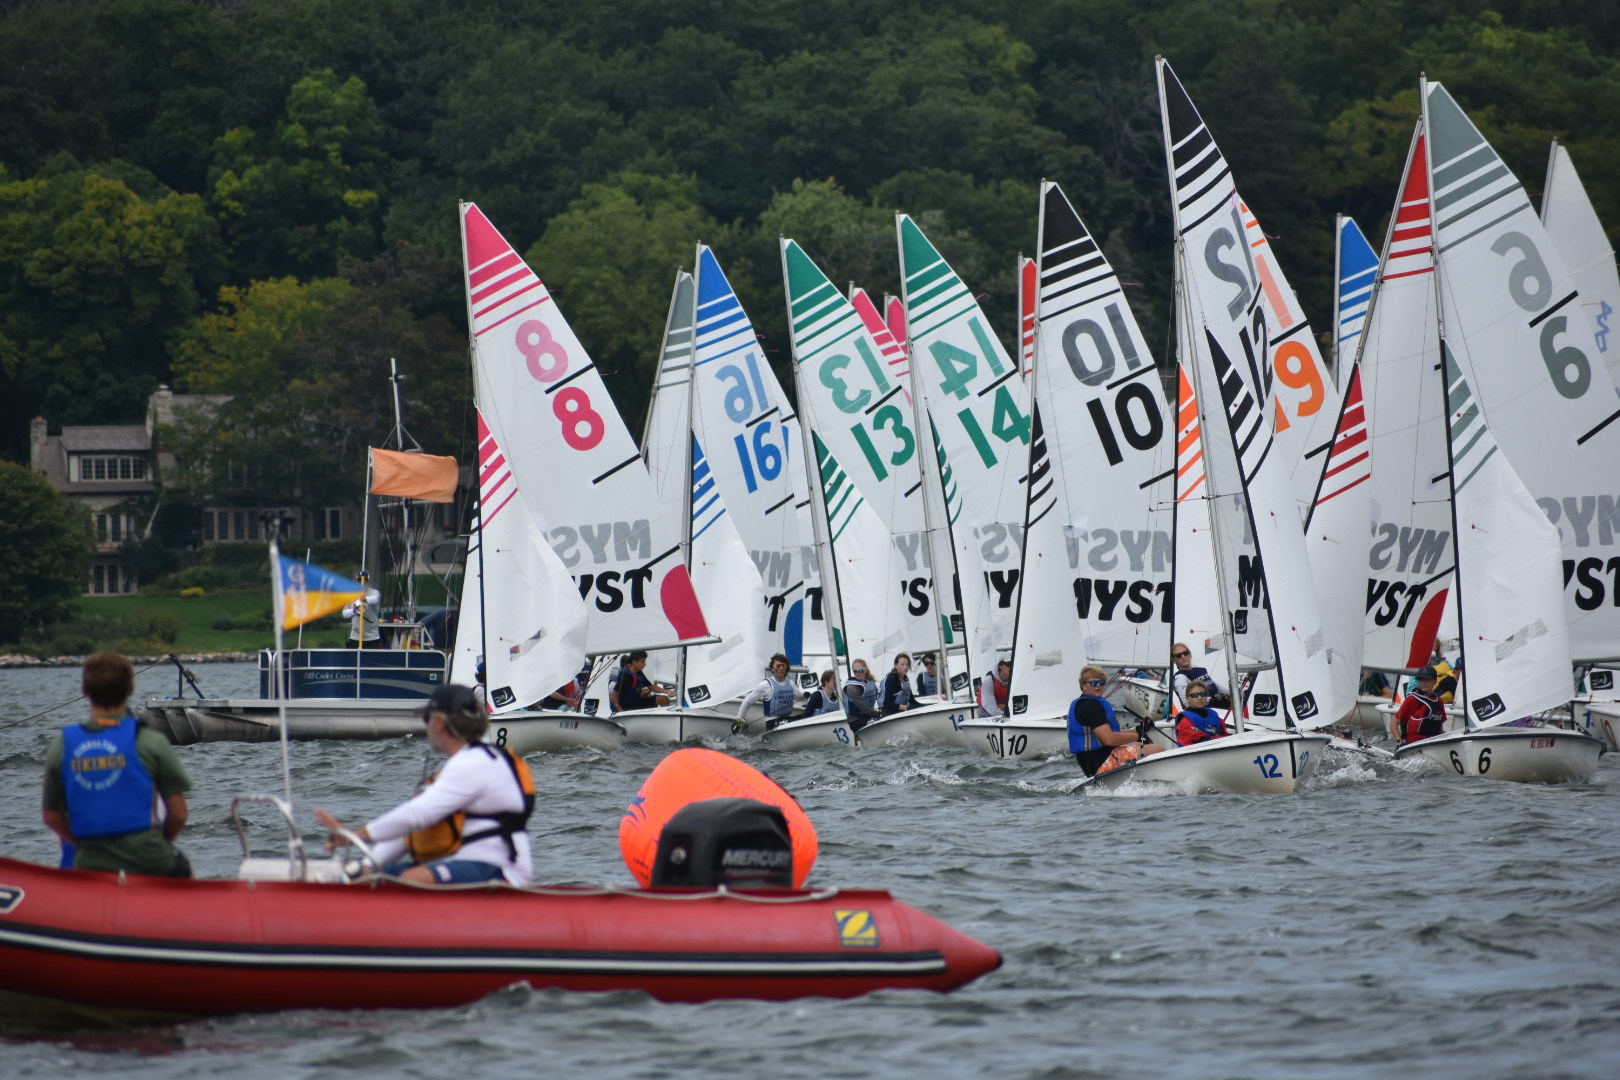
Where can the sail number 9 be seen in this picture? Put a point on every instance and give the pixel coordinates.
(547, 361)
(1530, 285)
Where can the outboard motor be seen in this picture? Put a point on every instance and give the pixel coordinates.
(738, 843)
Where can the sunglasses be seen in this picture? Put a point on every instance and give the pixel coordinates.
(928, 663)
(1180, 655)
(1197, 693)
(860, 671)
(1096, 682)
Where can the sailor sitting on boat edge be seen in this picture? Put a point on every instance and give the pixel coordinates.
(777, 691)
(470, 823)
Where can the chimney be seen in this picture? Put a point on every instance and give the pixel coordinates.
(36, 444)
(159, 410)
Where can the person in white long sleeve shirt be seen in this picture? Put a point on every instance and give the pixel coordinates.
(486, 783)
(777, 691)
(362, 615)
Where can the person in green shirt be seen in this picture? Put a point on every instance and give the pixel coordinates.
(114, 789)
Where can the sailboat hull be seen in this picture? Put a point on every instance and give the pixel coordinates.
(674, 725)
(1017, 738)
(548, 731)
(1143, 697)
(1600, 719)
(194, 720)
(828, 729)
(1248, 763)
(1535, 755)
(925, 725)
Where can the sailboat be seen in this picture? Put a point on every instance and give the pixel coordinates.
(581, 474)
(336, 693)
(872, 525)
(1236, 355)
(708, 677)
(522, 619)
(1513, 610)
(1583, 246)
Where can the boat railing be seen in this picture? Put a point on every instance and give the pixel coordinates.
(296, 854)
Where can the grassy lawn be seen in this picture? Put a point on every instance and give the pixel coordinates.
(245, 607)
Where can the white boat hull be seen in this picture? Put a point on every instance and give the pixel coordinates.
(550, 731)
(935, 724)
(1600, 719)
(1254, 762)
(1016, 738)
(1521, 754)
(826, 729)
(194, 720)
(674, 725)
(1143, 697)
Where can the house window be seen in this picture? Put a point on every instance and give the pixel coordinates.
(125, 467)
(331, 523)
(98, 579)
(118, 531)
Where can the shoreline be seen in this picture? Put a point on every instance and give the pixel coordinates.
(16, 661)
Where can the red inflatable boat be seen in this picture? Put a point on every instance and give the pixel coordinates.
(143, 947)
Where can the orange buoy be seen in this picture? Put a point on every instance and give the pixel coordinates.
(693, 775)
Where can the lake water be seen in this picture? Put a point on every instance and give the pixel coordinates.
(1388, 921)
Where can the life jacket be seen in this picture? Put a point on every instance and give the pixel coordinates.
(779, 702)
(1200, 726)
(1083, 737)
(445, 838)
(867, 695)
(109, 791)
(829, 703)
(1414, 723)
(902, 693)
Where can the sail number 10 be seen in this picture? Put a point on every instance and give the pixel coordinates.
(582, 426)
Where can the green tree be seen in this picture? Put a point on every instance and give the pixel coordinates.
(45, 548)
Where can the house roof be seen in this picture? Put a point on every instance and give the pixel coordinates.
(108, 439)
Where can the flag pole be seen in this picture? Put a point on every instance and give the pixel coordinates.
(279, 616)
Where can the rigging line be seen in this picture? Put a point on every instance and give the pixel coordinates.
(72, 701)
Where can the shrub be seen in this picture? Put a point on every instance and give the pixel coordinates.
(193, 590)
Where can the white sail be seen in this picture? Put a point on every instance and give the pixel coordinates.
(666, 439)
(1412, 557)
(520, 611)
(1511, 314)
(728, 582)
(750, 430)
(1196, 619)
(1583, 245)
(1096, 572)
(1510, 582)
(568, 447)
(979, 405)
(1231, 298)
(859, 414)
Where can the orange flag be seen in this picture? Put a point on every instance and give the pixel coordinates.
(415, 476)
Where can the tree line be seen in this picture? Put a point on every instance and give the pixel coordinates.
(257, 197)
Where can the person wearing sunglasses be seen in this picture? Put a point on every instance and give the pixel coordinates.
(928, 677)
(1186, 671)
(993, 689)
(469, 823)
(777, 692)
(861, 695)
(1198, 722)
(1095, 739)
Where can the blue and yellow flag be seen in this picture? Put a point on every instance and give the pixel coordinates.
(309, 592)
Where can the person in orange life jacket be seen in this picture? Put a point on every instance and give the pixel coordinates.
(1198, 722)
(1422, 715)
(822, 701)
(1185, 673)
(993, 689)
(897, 686)
(928, 677)
(482, 792)
(861, 696)
(777, 691)
(633, 690)
(114, 789)
(1095, 739)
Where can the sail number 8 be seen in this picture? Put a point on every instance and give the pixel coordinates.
(547, 361)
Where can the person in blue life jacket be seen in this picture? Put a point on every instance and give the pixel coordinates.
(1198, 722)
(928, 677)
(1186, 671)
(896, 694)
(776, 691)
(822, 700)
(1095, 739)
(633, 690)
(470, 822)
(861, 696)
(115, 789)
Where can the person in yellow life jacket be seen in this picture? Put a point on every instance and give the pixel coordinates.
(470, 823)
(113, 788)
